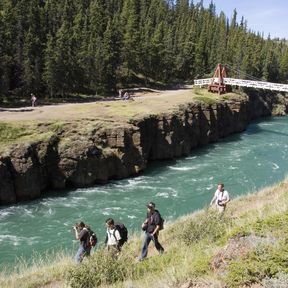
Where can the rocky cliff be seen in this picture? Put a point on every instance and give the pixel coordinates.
(79, 159)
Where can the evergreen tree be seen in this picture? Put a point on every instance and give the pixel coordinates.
(284, 67)
(50, 72)
(131, 37)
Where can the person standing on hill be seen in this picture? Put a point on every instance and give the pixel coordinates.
(151, 226)
(221, 198)
(82, 234)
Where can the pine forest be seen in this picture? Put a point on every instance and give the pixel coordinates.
(59, 48)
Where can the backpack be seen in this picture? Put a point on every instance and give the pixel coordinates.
(92, 238)
(123, 233)
(161, 220)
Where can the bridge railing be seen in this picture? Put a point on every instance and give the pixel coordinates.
(245, 83)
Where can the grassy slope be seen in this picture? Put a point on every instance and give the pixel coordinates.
(192, 245)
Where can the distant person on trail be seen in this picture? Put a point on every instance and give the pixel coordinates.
(126, 96)
(120, 93)
(33, 100)
(221, 198)
(113, 237)
(82, 234)
(151, 226)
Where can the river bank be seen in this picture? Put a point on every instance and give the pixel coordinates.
(85, 144)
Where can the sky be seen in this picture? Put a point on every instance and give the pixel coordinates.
(267, 16)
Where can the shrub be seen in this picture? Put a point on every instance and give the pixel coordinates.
(104, 269)
(265, 261)
(280, 281)
(210, 226)
(100, 268)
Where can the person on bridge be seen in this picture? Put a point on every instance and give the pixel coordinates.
(221, 198)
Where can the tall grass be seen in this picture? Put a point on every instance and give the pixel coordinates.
(40, 270)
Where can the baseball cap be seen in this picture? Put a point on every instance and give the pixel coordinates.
(151, 205)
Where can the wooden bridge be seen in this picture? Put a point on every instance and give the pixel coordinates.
(219, 81)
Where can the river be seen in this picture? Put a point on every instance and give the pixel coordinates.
(245, 162)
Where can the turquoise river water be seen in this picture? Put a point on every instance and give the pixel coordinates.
(245, 162)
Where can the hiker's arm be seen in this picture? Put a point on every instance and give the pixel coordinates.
(213, 199)
(144, 223)
(156, 230)
(157, 224)
(76, 233)
(117, 235)
(227, 199)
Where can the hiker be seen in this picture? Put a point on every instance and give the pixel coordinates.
(33, 100)
(151, 226)
(113, 237)
(126, 96)
(116, 237)
(120, 93)
(82, 234)
(221, 198)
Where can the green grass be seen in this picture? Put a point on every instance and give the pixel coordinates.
(43, 270)
(10, 132)
(23, 133)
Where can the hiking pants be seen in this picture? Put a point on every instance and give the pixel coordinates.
(147, 239)
(81, 253)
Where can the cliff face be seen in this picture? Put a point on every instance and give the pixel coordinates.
(27, 171)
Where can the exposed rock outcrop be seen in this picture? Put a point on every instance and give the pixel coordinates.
(79, 160)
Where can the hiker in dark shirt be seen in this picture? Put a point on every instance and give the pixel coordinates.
(82, 234)
(151, 226)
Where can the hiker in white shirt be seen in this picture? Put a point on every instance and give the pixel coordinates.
(113, 236)
(221, 198)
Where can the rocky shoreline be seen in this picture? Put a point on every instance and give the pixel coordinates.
(77, 159)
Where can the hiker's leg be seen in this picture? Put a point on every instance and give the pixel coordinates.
(144, 252)
(79, 255)
(158, 246)
(113, 250)
(87, 251)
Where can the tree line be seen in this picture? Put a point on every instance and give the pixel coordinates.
(59, 48)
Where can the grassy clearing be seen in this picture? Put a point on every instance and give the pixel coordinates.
(18, 133)
(192, 244)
